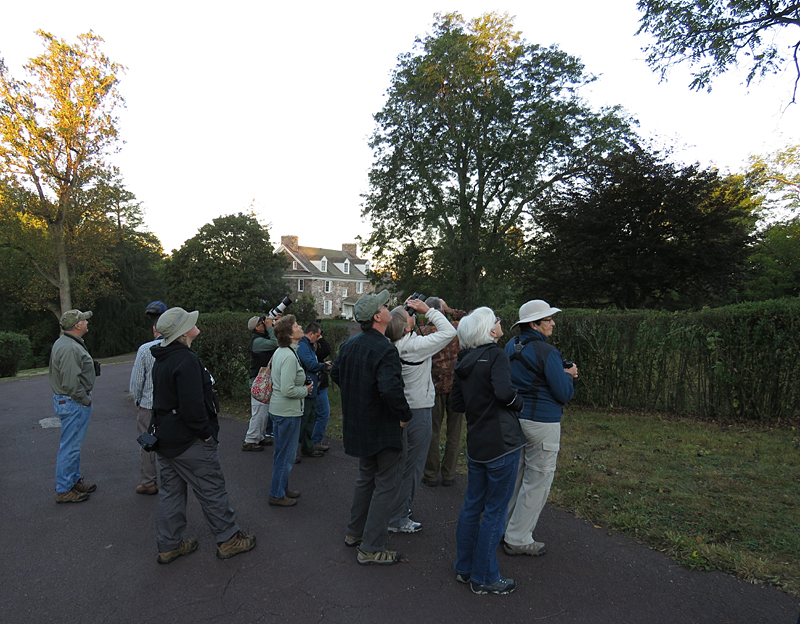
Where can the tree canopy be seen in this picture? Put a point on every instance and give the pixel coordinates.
(714, 35)
(478, 129)
(642, 231)
(228, 266)
(56, 130)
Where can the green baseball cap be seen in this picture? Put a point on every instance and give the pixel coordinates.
(70, 318)
(368, 305)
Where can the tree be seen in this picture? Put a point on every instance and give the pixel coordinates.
(778, 176)
(55, 132)
(775, 264)
(646, 232)
(228, 266)
(714, 35)
(477, 130)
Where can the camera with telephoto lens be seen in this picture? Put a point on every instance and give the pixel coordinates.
(278, 309)
(567, 364)
(419, 296)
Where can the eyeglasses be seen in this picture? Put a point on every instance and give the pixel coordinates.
(547, 320)
(497, 320)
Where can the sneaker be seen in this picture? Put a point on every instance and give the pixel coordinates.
(283, 501)
(407, 526)
(324, 448)
(147, 490)
(500, 586)
(186, 548)
(267, 441)
(83, 487)
(534, 549)
(72, 496)
(252, 446)
(351, 540)
(292, 494)
(382, 557)
(430, 482)
(462, 578)
(239, 543)
(313, 454)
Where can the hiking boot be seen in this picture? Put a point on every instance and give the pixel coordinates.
(147, 490)
(267, 441)
(500, 586)
(351, 540)
(252, 446)
(83, 487)
(407, 526)
(292, 494)
(462, 578)
(186, 548)
(313, 454)
(239, 543)
(324, 448)
(447, 482)
(283, 501)
(382, 557)
(72, 496)
(430, 482)
(534, 549)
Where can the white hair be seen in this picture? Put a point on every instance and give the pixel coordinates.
(474, 329)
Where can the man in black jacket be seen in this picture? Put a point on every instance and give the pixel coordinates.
(374, 412)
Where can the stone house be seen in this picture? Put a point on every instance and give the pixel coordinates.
(335, 278)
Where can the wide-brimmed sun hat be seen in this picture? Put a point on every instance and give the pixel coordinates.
(535, 310)
(175, 322)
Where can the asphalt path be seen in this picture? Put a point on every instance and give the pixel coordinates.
(95, 562)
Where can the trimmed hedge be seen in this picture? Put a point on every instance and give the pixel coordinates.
(222, 348)
(15, 353)
(739, 361)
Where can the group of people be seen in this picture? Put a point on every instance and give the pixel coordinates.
(399, 385)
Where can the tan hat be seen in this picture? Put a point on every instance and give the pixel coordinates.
(175, 322)
(251, 324)
(535, 310)
(70, 318)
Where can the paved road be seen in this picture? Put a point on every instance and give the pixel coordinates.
(94, 562)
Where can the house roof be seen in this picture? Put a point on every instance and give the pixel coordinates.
(306, 256)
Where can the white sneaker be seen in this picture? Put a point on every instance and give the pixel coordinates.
(407, 526)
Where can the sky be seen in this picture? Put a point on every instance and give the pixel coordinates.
(264, 106)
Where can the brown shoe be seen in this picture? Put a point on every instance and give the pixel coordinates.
(322, 447)
(73, 496)
(313, 454)
(186, 548)
(147, 490)
(292, 493)
(239, 543)
(252, 446)
(283, 501)
(267, 441)
(85, 488)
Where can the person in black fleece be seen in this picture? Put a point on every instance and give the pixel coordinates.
(185, 422)
(482, 390)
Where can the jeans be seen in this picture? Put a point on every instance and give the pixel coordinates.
(286, 430)
(74, 423)
(489, 489)
(323, 414)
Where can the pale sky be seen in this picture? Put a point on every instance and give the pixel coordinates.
(270, 104)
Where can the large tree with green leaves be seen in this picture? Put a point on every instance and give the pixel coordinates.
(478, 128)
(642, 231)
(56, 131)
(228, 266)
(714, 35)
(775, 263)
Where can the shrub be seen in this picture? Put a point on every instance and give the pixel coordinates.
(303, 309)
(336, 333)
(222, 348)
(15, 352)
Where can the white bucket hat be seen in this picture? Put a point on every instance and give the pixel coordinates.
(175, 322)
(535, 310)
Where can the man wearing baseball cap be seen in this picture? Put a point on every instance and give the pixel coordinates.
(72, 375)
(374, 412)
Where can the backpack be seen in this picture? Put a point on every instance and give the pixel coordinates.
(261, 390)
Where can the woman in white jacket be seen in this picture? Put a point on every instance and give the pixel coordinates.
(415, 354)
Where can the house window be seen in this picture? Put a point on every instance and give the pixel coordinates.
(344, 292)
(359, 288)
(323, 266)
(294, 265)
(327, 307)
(328, 286)
(347, 266)
(301, 284)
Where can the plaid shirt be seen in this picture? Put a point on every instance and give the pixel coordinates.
(442, 363)
(369, 373)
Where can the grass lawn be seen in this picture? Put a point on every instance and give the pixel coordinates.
(712, 496)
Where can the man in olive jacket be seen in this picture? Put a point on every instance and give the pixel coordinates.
(374, 412)
(72, 377)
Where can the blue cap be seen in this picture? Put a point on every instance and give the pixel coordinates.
(157, 307)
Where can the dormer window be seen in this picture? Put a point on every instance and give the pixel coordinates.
(323, 266)
(347, 267)
(294, 265)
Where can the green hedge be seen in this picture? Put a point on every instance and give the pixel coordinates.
(15, 353)
(222, 348)
(734, 362)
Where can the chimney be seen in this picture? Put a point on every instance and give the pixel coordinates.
(290, 242)
(350, 248)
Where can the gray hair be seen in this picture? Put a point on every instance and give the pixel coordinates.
(473, 329)
(396, 328)
(435, 303)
